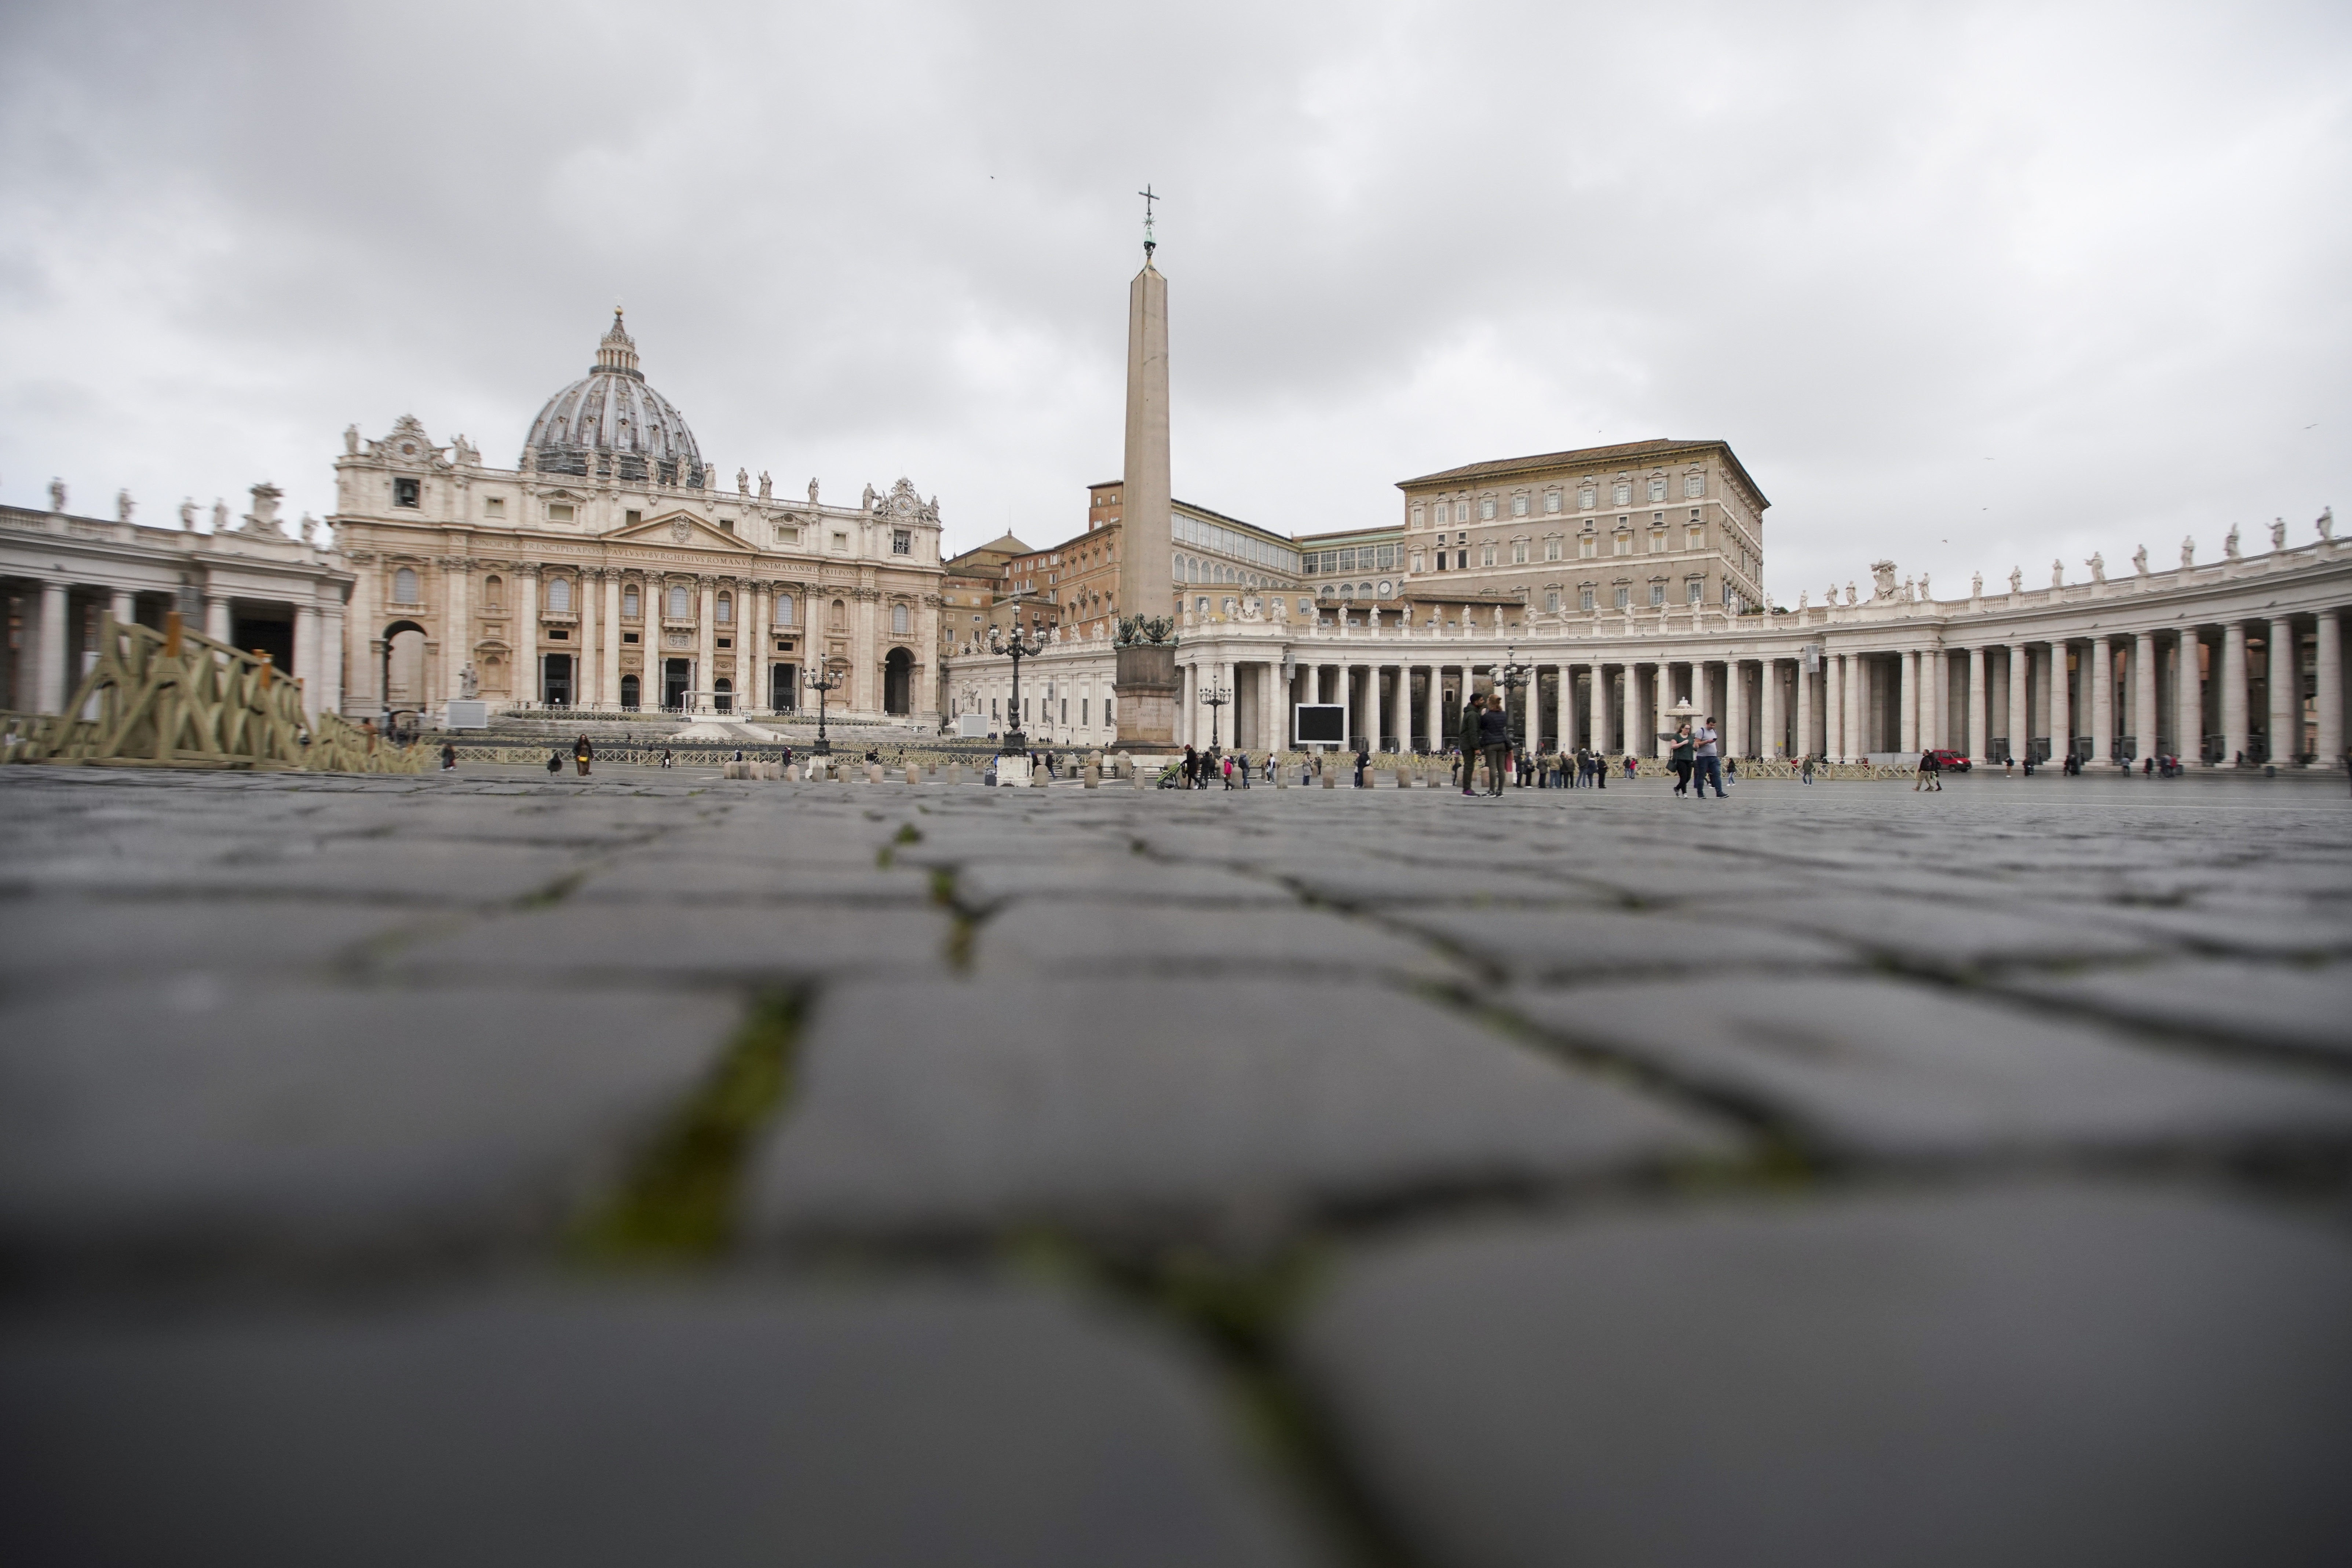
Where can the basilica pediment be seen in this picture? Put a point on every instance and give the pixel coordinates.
(683, 529)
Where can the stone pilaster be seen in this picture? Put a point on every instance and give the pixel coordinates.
(2285, 693)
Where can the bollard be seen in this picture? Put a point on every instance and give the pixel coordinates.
(1404, 778)
(1281, 777)
(1331, 778)
(1093, 776)
(791, 772)
(874, 772)
(914, 774)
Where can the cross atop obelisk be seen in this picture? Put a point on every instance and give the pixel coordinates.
(1146, 683)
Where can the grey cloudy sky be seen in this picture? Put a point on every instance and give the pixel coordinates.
(1965, 286)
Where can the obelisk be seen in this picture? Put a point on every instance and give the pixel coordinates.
(1146, 683)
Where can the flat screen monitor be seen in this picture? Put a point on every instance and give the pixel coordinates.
(1322, 723)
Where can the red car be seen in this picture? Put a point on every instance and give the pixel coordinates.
(1949, 762)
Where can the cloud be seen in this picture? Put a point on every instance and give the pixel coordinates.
(1868, 245)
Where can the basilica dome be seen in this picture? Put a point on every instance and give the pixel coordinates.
(611, 422)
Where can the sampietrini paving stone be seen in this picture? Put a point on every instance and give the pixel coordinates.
(1124, 1108)
(2030, 1375)
(895, 1428)
(1875, 1067)
(208, 1119)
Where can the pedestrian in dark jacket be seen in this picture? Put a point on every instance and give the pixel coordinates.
(1468, 738)
(582, 753)
(1495, 735)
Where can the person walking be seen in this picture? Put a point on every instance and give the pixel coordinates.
(1494, 737)
(1680, 758)
(1806, 772)
(1363, 764)
(1731, 773)
(448, 757)
(582, 753)
(1706, 758)
(1931, 773)
(1633, 767)
(1191, 766)
(1466, 740)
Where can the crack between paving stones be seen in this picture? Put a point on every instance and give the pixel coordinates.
(677, 1205)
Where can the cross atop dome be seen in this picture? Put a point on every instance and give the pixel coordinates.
(618, 351)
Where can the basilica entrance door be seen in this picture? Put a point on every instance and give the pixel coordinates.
(722, 695)
(678, 679)
(558, 680)
(784, 687)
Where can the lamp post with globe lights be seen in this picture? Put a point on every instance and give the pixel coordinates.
(1214, 697)
(822, 679)
(1017, 649)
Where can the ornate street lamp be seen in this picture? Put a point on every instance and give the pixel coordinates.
(822, 679)
(1016, 744)
(1510, 675)
(1215, 697)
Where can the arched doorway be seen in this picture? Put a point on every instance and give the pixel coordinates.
(722, 695)
(630, 688)
(404, 664)
(899, 682)
(784, 687)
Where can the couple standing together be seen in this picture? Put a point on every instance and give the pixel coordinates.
(1486, 733)
(1696, 758)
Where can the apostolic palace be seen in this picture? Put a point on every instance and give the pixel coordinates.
(613, 570)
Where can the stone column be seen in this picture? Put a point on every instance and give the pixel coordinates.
(52, 688)
(1832, 707)
(1631, 739)
(2144, 724)
(1564, 705)
(1596, 707)
(2188, 697)
(1662, 687)
(1804, 683)
(125, 607)
(611, 651)
(525, 684)
(2062, 707)
(2020, 685)
(1433, 700)
(306, 655)
(217, 614)
(584, 652)
(2103, 701)
(1735, 709)
(1907, 701)
(1767, 707)
(751, 654)
(2234, 734)
(456, 625)
(1979, 752)
(1935, 697)
(2286, 693)
(706, 649)
(2328, 693)
(333, 651)
(362, 623)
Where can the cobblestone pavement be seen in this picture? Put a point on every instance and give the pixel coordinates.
(658, 1169)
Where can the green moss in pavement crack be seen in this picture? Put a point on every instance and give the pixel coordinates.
(1239, 1313)
(555, 892)
(676, 1203)
(908, 834)
(884, 855)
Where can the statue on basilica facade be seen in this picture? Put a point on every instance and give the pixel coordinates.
(2139, 561)
(2278, 533)
(1975, 585)
(188, 513)
(2230, 543)
(1882, 573)
(812, 492)
(1848, 590)
(2326, 523)
(1926, 595)
(352, 440)
(2057, 573)
(742, 482)
(122, 505)
(2017, 579)
(220, 515)
(469, 685)
(56, 495)
(2098, 565)
(767, 488)
(2188, 551)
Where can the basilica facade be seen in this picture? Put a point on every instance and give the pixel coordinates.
(612, 570)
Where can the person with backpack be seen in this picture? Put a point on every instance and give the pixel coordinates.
(1494, 737)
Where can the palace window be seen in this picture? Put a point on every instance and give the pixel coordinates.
(560, 511)
(1698, 589)
(630, 605)
(1388, 560)
(1551, 601)
(1587, 547)
(784, 610)
(1658, 594)
(407, 492)
(559, 596)
(899, 624)
(1625, 544)
(902, 541)
(1696, 539)
(493, 593)
(1518, 506)
(1625, 597)
(1461, 511)
(1553, 546)
(726, 608)
(1552, 502)
(1486, 509)
(1487, 553)
(1419, 516)
(1693, 485)
(403, 587)
(1622, 494)
(1657, 487)
(1417, 561)
(1584, 598)
(1587, 498)
(1347, 560)
(1518, 553)
(678, 609)
(1657, 542)
(787, 535)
